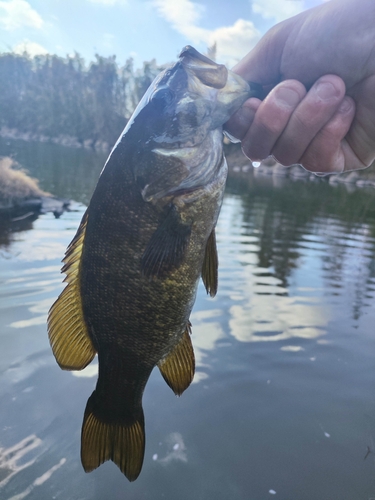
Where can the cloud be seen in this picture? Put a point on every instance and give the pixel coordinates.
(180, 13)
(32, 48)
(108, 2)
(232, 42)
(277, 9)
(18, 14)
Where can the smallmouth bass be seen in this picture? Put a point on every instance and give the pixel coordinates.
(147, 236)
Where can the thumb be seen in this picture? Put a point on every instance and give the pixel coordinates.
(262, 64)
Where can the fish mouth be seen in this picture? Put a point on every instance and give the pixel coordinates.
(207, 71)
(229, 85)
(217, 75)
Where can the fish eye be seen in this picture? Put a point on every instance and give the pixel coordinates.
(163, 95)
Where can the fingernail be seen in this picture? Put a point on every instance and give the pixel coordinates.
(345, 106)
(287, 96)
(325, 90)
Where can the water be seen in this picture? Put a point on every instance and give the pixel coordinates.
(283, 403)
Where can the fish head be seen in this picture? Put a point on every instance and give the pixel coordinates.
(187, 100)
(215, 91)
(176, 130)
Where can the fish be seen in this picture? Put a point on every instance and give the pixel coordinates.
(146, 238)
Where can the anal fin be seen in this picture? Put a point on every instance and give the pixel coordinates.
(210, 265)
(179, 366)
(67, 329)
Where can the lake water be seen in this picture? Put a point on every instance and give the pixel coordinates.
(283, 404)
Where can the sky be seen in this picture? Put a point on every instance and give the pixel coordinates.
(141, 29)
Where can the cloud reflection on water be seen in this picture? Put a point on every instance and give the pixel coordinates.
(274, 318)
(206, 332)
(11, 459)
(263, 307)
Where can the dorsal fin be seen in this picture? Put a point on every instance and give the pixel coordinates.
(67, 330)
(210, 265)
(179, 366)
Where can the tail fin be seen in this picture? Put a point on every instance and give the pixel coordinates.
(122, 443)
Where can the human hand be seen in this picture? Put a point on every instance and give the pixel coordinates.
(330, 127)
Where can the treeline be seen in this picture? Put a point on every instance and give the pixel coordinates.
(62, 98)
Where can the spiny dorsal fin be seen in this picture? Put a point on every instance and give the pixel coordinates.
(179, 366)
(67, 330)
(100, 441)
(166, 249)
(210, 265)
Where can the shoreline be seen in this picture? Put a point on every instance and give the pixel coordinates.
(237, 161)
(62, 140)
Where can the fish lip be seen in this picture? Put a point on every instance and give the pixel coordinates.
(209, 72)
(189, 51)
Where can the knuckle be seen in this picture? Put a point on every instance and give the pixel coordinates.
(322, 156)
(273, 125)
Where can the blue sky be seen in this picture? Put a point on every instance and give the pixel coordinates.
(142, 29)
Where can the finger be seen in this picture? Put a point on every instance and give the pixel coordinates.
(328, 151)
(271, 119)
(240, 122)
(310, 116)
(361, 136)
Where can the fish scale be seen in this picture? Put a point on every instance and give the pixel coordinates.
(144, 242)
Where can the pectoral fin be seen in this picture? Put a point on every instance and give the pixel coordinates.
(210, 265)
(167, 246)
(179, 366)
(67, 330)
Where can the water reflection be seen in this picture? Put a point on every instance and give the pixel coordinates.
(65, 172)
(262, 306)
(39, 481)
(9, 227)
(323, 232)
(173, 449)
(207, 332)
(285, 372)
(12, 462)
(10, 457)
(287, 318)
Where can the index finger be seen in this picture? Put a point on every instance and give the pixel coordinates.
(240, 122)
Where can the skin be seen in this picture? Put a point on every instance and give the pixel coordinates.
(318, 71)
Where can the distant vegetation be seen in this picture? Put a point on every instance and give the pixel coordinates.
(66, 100)
(15, 184)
